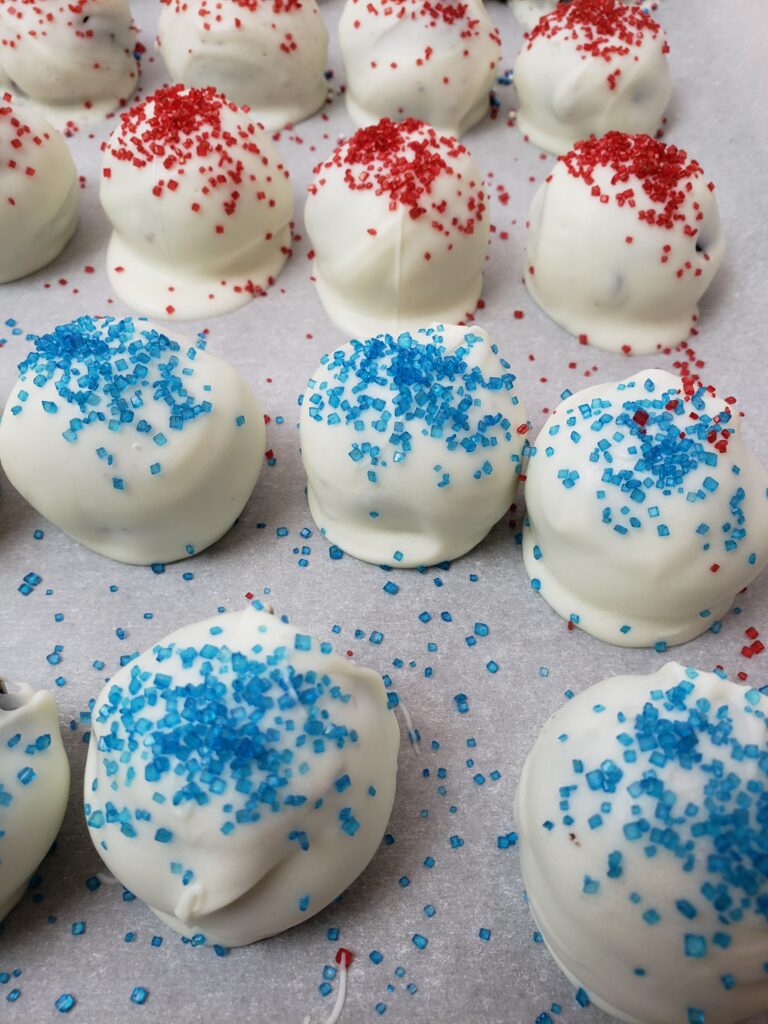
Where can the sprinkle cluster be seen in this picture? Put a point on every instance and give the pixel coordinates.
(392, 389)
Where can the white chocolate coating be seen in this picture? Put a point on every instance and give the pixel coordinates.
(620, 257)
(398, 222)
(187, 241)
(267, 797)
(412, 445)
(646, 513)
(269, 55)
(154, 475)
(34, 787)
(73, 60)
(528, 12)
(435, 62)
(643, 847)
(588, 67)
(38, 183)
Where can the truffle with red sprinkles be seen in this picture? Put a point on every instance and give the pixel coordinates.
(38, 192)
(624, 238)
(399, 223)
(200, 203)
(73, 60)
(588, 67)
(528, 12)
(269, 55)
(434, 60)
(646, 513)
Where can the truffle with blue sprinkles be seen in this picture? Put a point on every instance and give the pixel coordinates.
(137, 443)
(646, 512)
(642, 813)
(240, 776)
(412, 444)
(34, 786)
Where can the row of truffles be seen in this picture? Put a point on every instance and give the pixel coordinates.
(646, 513)
(240, 775)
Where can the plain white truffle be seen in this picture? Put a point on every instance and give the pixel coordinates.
(38, 183)
(641, 814)
(589, 67)
(646, 513)
(269, 55)
(412, 444)
(399, 225)
(138, 444)
(240, 776)
(73, 60)
(200, 204)
(413, 58)
(624, 238)
(34, 787)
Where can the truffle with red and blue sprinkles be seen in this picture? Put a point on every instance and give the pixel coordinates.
(624, 238)
(268, 55)
(200, 204)
(646, 512)
(398, 217)
(74, 61)
(642, 813)
(412, 444)
(428, 59)
(240, 776)
(139, 444)
(38, 191)
(34, 787)
(588, 67)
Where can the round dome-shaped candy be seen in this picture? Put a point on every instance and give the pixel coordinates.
(641, 812)
(624, 238)
(399, 224)
(240, 776)
(200, 203)
(588, 67)
(412, 444)
(268, 55)
(38, 182)
(427, 59)
(140, 445)
(646, 512)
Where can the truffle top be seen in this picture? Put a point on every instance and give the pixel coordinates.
(603, 29)
(214, 11)
(430, 13)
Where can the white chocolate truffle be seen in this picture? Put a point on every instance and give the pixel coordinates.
(428, 60)
(646, 513)
(75, 60)
(641, 812)
(269, 55)
(240, 776)
(38, 183)
(588, 67)
(141, 446)
(412, 444)
(624, 238)
(200, 203)
(399, 224)
(34, 787)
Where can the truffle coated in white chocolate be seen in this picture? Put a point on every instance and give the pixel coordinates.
(641, 813)
(434, 60)
(412, 444)
(34, 787)
(624, 238)
(646, 513)
(139, 445)
(200, 203)
(399, 224)
(269, 55)
(588, 67)
(240, 776)
(74, 61)
(38, 183)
